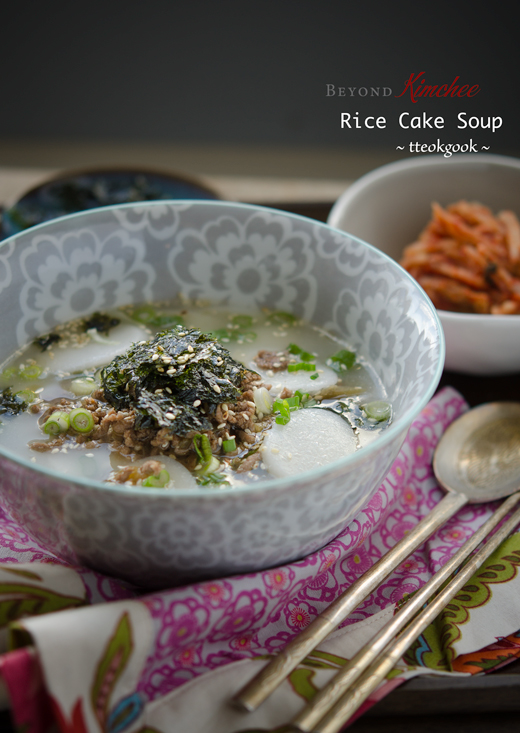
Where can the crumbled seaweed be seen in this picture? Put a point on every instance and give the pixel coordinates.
(11, 403)
(190, 364)
(101, 322)
(47, 340)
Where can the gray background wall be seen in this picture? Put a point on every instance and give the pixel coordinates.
(226, 72)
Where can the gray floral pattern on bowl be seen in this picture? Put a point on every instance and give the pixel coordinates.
(243, 256)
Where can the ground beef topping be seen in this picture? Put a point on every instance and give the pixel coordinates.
(276, 361)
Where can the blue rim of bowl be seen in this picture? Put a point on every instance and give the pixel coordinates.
(271, 484)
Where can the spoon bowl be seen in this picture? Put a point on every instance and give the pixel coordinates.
(479, 454)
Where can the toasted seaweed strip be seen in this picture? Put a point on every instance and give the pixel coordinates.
(11, 403)
(172, 378)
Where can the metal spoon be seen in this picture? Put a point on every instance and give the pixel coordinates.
(477, 460)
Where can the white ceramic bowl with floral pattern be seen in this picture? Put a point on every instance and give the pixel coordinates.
(247, 257)
(391, 205)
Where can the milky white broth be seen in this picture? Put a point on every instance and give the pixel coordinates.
(311, 438)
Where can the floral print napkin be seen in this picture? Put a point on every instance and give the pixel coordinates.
(90, 653)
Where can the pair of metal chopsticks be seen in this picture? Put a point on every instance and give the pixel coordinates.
(333, 706)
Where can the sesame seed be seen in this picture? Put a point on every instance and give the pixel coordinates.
(216, 388)
(171, 371)
(160, 369)
(155, 357)
(166, 359)
(221, 426)
(158, 391)
(170, 416)
(289, 456)
(168, 390)
(196, 403)
(275, 450)
(55, 450)
(224, 407)
(89, 455)
(190, 348)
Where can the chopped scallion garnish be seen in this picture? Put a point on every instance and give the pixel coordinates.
(147, 315)
(31, 371)
(297, 351)
(282, 420)
(314, 376)
(212, 478)
(209, 463)
(282, 318)
(157, 480)
(242, 321)
(83, 386)
(57, 423)
(304, 366)
(229, 445)
(27, 395)
(81, 420)
(378, 410)
(343, 360)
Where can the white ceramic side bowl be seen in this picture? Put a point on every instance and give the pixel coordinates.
(247, 257)
(390, 206)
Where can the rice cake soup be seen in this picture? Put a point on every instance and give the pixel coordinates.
(186, 396)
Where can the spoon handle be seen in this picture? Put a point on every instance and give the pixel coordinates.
(278, 668)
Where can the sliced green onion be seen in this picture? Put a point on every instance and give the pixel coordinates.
(212, 478)
(293, 402)
(57, 423)
(343, 360)
(202, 447)
(143, 314)
(378, 410)
(302, 366)
(81, 420)
(305, 399)
(242, 321)
(297, 351)
(157, 480)
(282, 318)
(229, 445)
(223, 334)
(83, 386)
(210, 463)
(282, 406)
(27, 395)
(9, 373)
(314, 376)
(147, 315)
(167, 320)
(282, 420)
(31, 371)
(228, 334)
